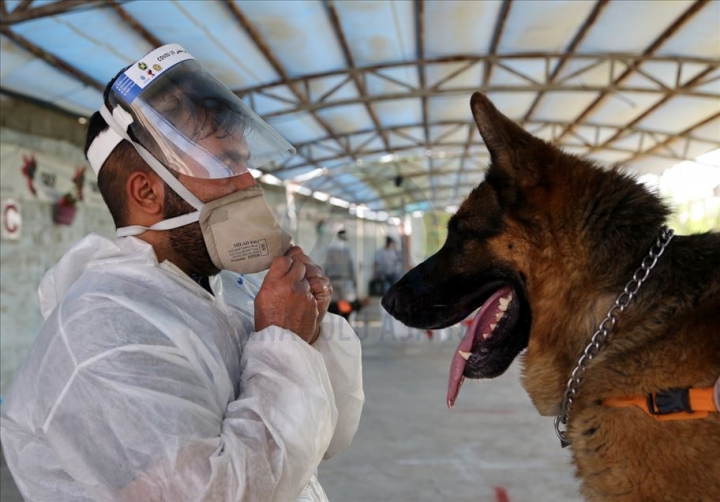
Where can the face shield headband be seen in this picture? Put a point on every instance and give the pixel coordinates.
(118, 122)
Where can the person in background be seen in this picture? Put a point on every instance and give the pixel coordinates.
(340, 269)
(150, 382)
(387, 265)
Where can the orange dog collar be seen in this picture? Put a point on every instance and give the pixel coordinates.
(672, 404)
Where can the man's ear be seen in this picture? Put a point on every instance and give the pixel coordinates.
(145, 194)
(513, 151)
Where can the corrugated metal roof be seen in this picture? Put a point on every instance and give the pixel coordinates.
(370, 90)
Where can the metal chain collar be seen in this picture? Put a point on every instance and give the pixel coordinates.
(605, 328)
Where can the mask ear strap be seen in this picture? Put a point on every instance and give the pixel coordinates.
(119, 120)
(169, 224)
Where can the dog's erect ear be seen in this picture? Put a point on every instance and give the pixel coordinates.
(512, 149)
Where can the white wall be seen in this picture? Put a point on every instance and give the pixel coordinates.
(23, 262)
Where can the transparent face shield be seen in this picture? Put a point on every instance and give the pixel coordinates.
(189, 121)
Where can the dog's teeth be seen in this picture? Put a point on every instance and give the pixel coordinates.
(492, 327)
(504, 302)
(464, 355)
(499, 315)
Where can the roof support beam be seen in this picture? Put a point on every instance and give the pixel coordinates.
(51, 9)
(418, 190)
(686, 90)
(665, 35)
(420, 51)
(465, 155)
(51, 59)
(41, 104)
(590, 63)
(676, 137)
(135, 24)
(279, 69)
(302, 98)
(463, 159)
(657, 105)
(497, 34)
(23, 6)
(579, 36)
(359, 82)
(349, 60)
(462, 155)
(275, 63)
(533, 127)
(595, 59)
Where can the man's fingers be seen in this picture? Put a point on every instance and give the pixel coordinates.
(302, 286)
(279, 267)
(313, 269)
(294, 251)
(296, 272)
(320, 285)
(285, 266)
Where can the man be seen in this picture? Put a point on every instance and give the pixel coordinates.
(340, 269)
(387, 265)
(144, 383)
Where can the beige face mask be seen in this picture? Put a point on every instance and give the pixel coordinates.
(241, 233)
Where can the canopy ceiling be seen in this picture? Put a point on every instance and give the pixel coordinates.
(373, 90)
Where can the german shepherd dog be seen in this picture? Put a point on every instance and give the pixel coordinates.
(543, 247)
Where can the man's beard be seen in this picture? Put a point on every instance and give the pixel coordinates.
(187, 241)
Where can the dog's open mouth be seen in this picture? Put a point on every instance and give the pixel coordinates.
(485, 341)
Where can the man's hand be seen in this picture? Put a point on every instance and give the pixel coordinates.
(319, 283)
(286, 299)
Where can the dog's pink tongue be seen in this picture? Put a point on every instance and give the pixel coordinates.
(481, 324)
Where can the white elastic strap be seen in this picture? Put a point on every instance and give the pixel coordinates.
(101, 148)
(120, 118)
(176, 222)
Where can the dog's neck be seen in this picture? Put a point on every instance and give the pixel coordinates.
(557, 337)
(566, 312)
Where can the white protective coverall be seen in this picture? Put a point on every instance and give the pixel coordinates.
(143, 386)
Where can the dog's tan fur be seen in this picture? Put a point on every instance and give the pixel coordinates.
(574, 234)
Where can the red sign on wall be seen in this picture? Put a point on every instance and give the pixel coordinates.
(11, 220)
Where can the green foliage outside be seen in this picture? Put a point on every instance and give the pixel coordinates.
(695, 217)
(435, 230)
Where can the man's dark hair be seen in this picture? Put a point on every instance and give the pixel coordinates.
(389, 240)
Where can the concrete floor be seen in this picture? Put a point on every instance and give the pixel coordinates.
(493, 447)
